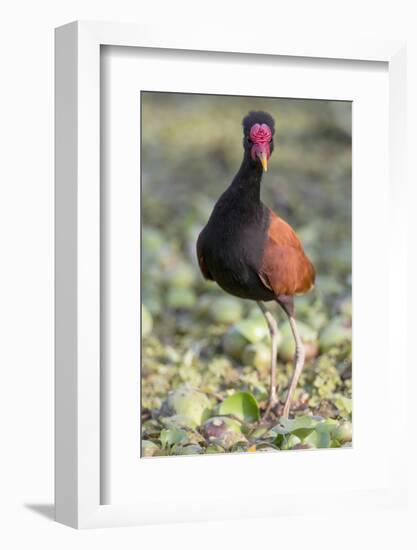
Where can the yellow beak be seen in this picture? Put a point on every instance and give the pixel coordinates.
(264, 161)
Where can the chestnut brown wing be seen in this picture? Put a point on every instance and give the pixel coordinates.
(285, 268)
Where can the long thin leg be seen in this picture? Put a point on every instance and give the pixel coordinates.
(298, 365)
(273, 330)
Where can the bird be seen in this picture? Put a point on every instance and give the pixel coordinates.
(254, 254)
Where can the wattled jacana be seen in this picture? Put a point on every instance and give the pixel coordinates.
(254, 254)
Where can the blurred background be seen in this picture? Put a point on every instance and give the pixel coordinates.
(194, 335)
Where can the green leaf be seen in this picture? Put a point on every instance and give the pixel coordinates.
(152, 239)
(257, 355)
(146, 322)
(307, 333)
(234, 343)
(243, 405)
(318, 438)
(289, 441)
(258, 432)
(211, 449)
(254, 330)
(187, 403)
(180, 276)
(177, 421)
(225, 310)
(149, 448)
(194, 449)
(344, 404)
(181, 298)
(327, 426)
(170, 437)
(343, 434)
(301, 426)
(286, 348)
(334, 335)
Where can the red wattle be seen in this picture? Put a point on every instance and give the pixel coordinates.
(258, 148)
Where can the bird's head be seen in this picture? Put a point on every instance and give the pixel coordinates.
(258, 137)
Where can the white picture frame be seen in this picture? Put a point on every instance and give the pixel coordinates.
(78, 265)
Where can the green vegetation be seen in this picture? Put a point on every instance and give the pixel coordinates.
(205, 355)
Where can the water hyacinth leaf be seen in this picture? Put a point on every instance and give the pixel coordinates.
(190, 404)
(318, 439)
(302, 446)
(281, 430)
(225, 310)
(171, 437)
(151, 299)
(326, 285)
(310, 233)
(286, 348)
(301, 426)
(345, 308)
(212, 449)
(161, 452)
(253, 329)
(234, 343)
(180, 276)
(194, 449)
(317, 319)
(334, 335)
(289, 442)
(149, 448)
(257, 355)
(343, 433)
(256, 313)
(180, 298)
(203, 305)
(258, 432)
(146, 322)
(344, 404)
(152, 240)
(307, 333)
(239, 447)
(266, 447)
(311, 311)
(178, 421)
(151, 429)
(279, 440)
(243, 405)
(329, 425)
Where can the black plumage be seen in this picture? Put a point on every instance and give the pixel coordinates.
(231, 244)
(251, 252)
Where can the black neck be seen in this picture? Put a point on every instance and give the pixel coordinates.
(247, 181)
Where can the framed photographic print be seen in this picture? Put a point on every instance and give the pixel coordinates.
(220, 210)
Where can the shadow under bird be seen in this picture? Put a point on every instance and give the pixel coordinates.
(254, 254)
